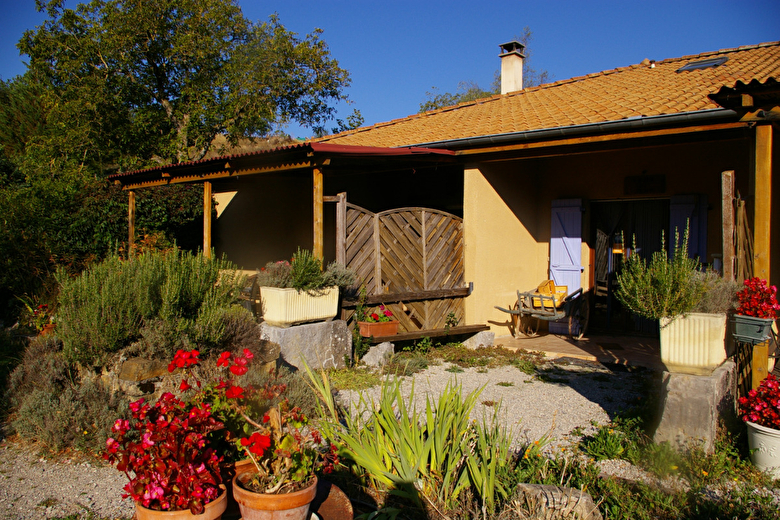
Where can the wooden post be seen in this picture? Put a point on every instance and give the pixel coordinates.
(760, 363)
(207, 219)
(341, 228)
(727, 213)
(762, 214)
(318, 217)
(131, 221)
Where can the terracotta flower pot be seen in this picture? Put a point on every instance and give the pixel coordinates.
(261, 506)
(213, 511)
(378, 329)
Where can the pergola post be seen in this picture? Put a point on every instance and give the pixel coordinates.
(318, 247)
(762, 215)
(131, 221)
(207, 219)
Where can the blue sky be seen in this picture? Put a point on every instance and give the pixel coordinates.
(396, 51)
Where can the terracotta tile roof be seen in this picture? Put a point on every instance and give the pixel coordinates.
(645, 89)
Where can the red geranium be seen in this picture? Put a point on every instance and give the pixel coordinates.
(758, 300)
(762, 405)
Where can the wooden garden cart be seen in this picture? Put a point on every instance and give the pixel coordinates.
(550, 302)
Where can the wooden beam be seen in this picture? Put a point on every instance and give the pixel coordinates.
(602, 138)
(131, 221)
(727, 214)
(759, 364)
(431, 333)
(762, 215)
(432, 294)
(319, 232)
(207, 219)
(220, 174)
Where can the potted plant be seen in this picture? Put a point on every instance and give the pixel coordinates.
(284, 452)
(300, 291)
(757, 310)
(172, 470)
(691, 306)
(760, 410)
(378, 323)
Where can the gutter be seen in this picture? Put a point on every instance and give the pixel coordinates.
(707, 116)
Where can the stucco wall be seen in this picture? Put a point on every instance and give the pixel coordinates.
(507, 209)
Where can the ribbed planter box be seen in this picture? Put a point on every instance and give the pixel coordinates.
(764, 444)
(693, 344)
(378, 329)
(285, 307)
(748, 329)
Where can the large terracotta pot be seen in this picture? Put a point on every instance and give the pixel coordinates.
(260, 506)
(213, 511)
(764, 444)
(378, 329)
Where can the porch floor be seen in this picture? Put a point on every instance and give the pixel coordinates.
(621, 350)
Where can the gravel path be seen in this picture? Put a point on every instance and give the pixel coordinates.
(566, 397)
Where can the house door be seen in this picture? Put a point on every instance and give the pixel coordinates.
(566, 249)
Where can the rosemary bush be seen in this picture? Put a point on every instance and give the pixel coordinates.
(662, 287)
(173, 298)
(305, 273)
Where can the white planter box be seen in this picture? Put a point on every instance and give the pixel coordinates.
(285, 307)
(764, 444)
(693, 344)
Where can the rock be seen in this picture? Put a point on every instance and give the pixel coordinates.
(139, 369)
(322, 345)
(542, 502)
(484, 338)
(693, 406)
(379, 355)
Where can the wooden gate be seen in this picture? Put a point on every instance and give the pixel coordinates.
(413, 256)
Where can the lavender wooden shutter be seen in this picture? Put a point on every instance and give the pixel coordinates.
(565, 249)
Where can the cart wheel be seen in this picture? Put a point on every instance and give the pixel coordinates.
(578, 320)
(523, 323)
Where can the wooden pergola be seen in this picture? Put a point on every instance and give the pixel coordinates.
(314, 157)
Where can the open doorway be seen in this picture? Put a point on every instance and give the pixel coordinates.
(619, 228)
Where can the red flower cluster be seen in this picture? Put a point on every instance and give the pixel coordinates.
(758, 300)
(239, 366)
(183, 359)
(257, 443)
(383, 315)
(762, 405)
(165, 455)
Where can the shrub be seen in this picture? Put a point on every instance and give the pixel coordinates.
(55, 407)
(663, 287)
(163, 300)
(304, 273)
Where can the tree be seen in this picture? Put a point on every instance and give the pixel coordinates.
(159, 79)
(470, 91)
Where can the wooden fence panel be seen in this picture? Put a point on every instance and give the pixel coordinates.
(418, 249)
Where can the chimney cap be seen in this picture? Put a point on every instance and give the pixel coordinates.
(513, 47)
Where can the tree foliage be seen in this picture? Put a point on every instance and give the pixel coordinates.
(117, 85)
(471, 91)
(161, 78)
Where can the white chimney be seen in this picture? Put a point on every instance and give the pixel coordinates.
(511, 66)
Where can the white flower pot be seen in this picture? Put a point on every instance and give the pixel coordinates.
(283, 307)
(764, 444)
(694, 343)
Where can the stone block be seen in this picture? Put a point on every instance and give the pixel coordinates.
(379, 355)
(483, 338)
(322, 345)
(692, 407)
(550, 503)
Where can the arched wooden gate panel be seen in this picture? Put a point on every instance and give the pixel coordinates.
(407, 250)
